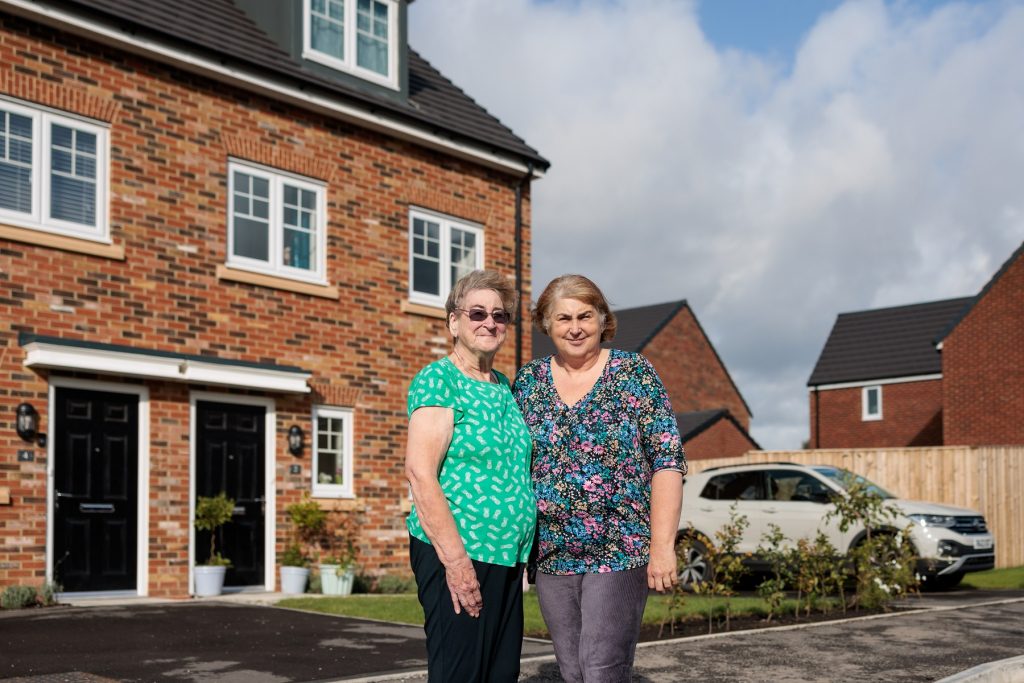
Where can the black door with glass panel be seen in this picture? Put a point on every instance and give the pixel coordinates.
(230, 450)
(95, 490)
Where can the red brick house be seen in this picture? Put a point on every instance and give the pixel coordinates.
(227, 230)
(713, 416)
(941, 373)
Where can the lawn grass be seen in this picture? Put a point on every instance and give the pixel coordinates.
(995, 579)
(405, 608)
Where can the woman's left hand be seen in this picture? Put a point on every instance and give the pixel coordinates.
(661, 570)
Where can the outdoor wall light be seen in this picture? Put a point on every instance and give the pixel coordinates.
(295, 440)
(27, 422)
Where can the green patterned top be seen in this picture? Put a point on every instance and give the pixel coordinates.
(485, 475)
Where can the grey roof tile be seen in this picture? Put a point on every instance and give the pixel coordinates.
(885, 343)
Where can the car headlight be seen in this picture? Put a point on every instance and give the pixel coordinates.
(946, 521)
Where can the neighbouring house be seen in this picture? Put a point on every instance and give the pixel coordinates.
(227, 230)
(714, 418)
(940, 373)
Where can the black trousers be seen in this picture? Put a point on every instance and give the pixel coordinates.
(465, 649)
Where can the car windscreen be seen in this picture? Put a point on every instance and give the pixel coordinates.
(846, 478)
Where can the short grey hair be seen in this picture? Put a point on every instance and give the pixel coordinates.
(483, 279)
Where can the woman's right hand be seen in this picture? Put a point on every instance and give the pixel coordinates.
(464, 587)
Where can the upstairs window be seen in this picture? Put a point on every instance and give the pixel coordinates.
(871, 403)
(441, 250)
(332, 453)
(276, 223)
(53, 172)
(357, 36)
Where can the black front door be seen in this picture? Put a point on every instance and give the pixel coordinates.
(96, 443)
(230, 451)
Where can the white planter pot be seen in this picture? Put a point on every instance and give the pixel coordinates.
(209, 580)
(334, 583)
(293, 580)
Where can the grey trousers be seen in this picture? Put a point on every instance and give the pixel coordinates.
(594, 620)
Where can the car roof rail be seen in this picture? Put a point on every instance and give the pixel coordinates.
(754, 464)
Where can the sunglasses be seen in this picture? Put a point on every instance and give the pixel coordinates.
(478, 315)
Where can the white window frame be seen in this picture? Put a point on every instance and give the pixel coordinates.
(39, 218)
(867, 416)
(347, 417)
(350, 63)
(447, 223)
(274, 264)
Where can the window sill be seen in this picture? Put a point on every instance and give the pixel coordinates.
(420, 309)
(235, 275)
(62, 242)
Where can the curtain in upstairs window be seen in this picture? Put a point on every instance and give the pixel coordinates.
(72, 175)
(372, 36)
(327, 27)
(15, 162)
(463, 253)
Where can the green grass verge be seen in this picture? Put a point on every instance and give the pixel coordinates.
(405, 609)
(995, 579)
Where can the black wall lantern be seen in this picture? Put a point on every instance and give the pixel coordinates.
(295, 440)
(27, 422)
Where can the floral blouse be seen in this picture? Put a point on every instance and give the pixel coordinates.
(593, 463)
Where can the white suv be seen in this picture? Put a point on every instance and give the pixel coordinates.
(949, 541)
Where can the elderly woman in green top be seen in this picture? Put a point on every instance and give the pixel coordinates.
(473, 514)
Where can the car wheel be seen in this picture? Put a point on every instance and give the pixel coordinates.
(693, 561)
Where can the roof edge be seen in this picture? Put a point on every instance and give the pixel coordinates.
(1018, 252)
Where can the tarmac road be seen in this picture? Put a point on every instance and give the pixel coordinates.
(200, 641)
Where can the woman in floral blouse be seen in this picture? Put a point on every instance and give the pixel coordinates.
(607, 474)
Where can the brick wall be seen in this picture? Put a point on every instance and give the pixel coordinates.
(170, 136)
(691, 371)
(721, 440)
(983, 366)
(911, 416)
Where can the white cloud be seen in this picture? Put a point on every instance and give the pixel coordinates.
(885, 167)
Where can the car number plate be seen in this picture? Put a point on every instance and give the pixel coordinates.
(982, 543)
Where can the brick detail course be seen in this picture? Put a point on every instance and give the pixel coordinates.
(691, 370)
(983, 367)
(71, 99)
(170, 133)
(911, 416)
(720, 440)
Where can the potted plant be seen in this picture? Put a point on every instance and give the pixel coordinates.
(338, 566)
(212, 512)
(308, 523)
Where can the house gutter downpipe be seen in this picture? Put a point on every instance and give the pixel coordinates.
(519, 263)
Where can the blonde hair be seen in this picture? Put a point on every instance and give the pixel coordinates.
(574, 287)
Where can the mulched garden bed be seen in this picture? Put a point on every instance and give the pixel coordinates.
(699, 626)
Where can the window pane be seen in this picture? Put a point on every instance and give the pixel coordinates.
(463, 253)
(298, 249)
(15, 162)
(426, 276)
(61, 136)
(72, 200)
(327, 29)
(372, 36)
(251, 239)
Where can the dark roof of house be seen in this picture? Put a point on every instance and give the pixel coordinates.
(636, 327)
(966, 310)
(220, 29)
(885, 343)
(694, 422)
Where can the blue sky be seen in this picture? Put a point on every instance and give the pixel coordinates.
(773, 162)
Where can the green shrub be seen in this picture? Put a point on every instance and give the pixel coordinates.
(212, 512)
(393, 585)
(19, 597)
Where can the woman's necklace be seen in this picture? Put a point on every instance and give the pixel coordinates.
(470, 370)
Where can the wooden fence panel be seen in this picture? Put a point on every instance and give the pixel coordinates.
(988, 479)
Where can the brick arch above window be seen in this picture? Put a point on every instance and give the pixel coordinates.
(58, 96)
(277, 157)
(457, 207)
(336, 395)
